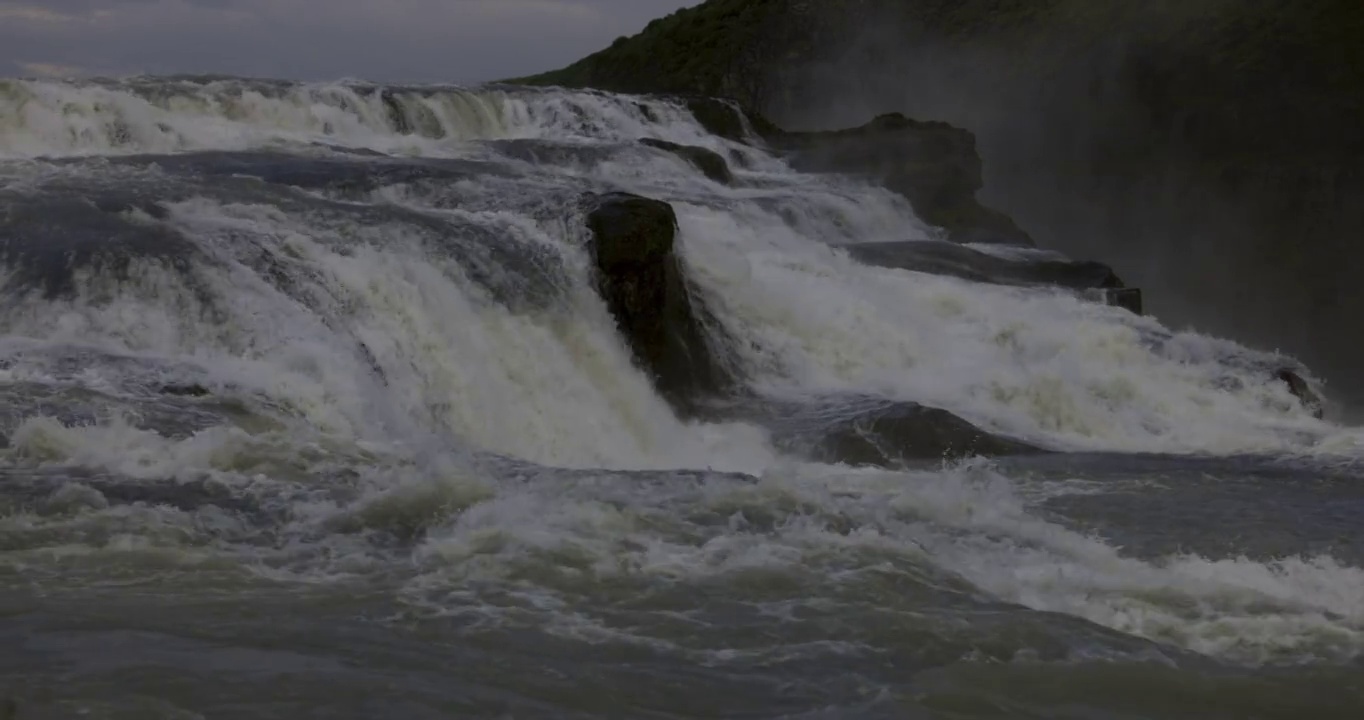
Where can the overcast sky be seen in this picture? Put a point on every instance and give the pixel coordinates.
(418, 40)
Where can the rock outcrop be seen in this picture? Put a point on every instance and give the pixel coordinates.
(640, 277)
(932, 164)
(708, 162)
(946, 258)
(1093, 281)
(1301, 390)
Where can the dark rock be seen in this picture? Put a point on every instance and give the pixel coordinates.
(185, 390)
(397, 119)
(1302, 391)
(932, 164)
(1128, 299)
(719, 117)
(640, 277)
(947, 258)
(889, 433)
(877, 432)
(708, 162)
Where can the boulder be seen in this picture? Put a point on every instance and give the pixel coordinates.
(932, 164)
(947, 258)
(640, 277)
(708, 162)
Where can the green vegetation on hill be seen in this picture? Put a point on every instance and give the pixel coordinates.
(695, 50)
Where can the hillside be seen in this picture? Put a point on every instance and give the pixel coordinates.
(704, 49)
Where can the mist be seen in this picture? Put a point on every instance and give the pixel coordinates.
(1218, 175)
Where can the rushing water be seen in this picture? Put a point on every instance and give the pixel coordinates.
(310, 410)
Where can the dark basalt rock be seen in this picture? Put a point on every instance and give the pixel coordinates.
(946, 258)
(727, 119)
(1302, 391)
(708, 162)
(932, 164)
(640, 277)
(718, 117)
(185, 390)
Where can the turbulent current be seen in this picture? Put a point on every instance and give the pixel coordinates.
(310, 408)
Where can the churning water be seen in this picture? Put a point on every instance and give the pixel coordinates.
(310, 409)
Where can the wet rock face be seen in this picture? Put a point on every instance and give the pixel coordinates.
(718, 117)
(871, 431)
(640, 278)
(708, 162)
(932, 164)
(946, 258)
(1302, 391)
(726, 118)
(1128, 299)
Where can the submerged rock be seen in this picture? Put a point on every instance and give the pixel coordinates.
(877, 432)
(946, 258)
(708, 162)
(640, 277)
(47, 241)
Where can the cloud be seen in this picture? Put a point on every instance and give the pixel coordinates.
(32, 14)
(416, 40)
(48, 70)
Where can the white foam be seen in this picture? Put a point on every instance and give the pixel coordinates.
(833, 527)
(1038, 364)
(42, 118)
(555, 384)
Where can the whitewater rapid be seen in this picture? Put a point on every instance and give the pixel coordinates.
(349, 346)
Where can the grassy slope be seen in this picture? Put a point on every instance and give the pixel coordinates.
(693, 50)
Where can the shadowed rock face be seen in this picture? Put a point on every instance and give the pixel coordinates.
(708, 162)
(932, 164)
(1302, 391)
(945, 258)
(640, 278)
(876, 432)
